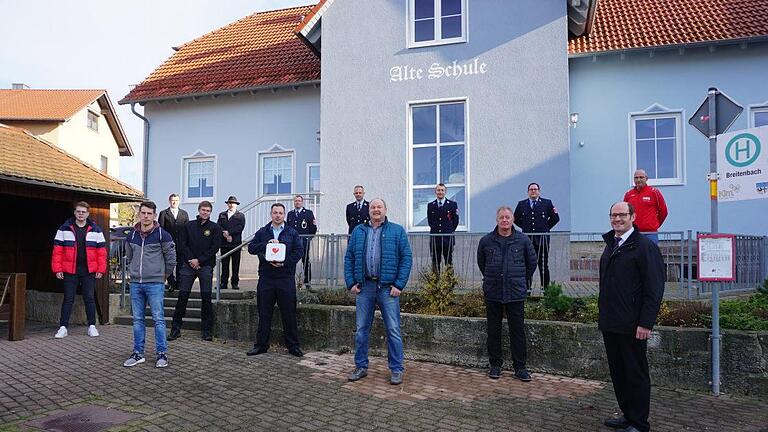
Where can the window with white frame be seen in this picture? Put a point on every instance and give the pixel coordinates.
(434, 22)
(199, 178)
(313, 177)
(759, 116)
(438, 155)
(104, 164)
(656, 141)
(276, 173)
(93, 121)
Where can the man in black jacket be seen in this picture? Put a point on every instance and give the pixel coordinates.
(232, 223)
(172, 220)
(357, 211)
(443, 218)
(276, 282)
(200, 239)
(507, 260)
(303, 221)
(536, 216)
(631, 289)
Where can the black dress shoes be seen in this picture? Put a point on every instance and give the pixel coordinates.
(207, 337)
(235, 287)
(617, 423)
(297, 352)
(175, 334)
(256, 351)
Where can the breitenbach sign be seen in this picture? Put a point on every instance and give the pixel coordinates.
(437, 70)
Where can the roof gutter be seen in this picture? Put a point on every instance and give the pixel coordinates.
(32, 182)
(689, 45)
(145, 156)
(219, 92)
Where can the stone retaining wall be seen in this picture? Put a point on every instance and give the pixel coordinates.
(46, 307)
(679, 357)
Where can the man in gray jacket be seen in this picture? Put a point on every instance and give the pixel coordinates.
(151, 257)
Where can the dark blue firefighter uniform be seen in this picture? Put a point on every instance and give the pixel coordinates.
(303, 221)
(235, 226)
(357, 215)
(442, 219)
(537, 218)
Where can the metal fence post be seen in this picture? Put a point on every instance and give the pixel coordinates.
(217, 273)
(122, 279)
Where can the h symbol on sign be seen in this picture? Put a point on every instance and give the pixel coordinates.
(739, 149)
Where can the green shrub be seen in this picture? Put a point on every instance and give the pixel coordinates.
(678, 313)
(437, 290)
(585, 310)
(537, 310)
(555, 301)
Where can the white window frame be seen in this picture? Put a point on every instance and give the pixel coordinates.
(678, 115)
(464, 219)
(198, 156)
(438, 40)
(279, 153)
(754, 109)
(310, 165)
(94, 126)
(104, 164)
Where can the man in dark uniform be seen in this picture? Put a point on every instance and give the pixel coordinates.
(443, 218)
(276, 282)
(172, 220)
(232, 223)
(535, 216)
(357, 211)
(303, 221)
(200, 239)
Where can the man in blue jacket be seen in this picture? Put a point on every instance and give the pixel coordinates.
(376, 269)
(507, 260)
(276, 281)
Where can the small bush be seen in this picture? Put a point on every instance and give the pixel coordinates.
(471, 304)
(682, 314)
(437, 290)
(537, 310)
(555, 301)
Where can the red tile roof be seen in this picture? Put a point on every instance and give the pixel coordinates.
(56, 168)
(260, 50)
(51, 105)
(631, 24)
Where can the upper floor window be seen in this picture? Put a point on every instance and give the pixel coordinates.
(93, 121)
(435, 22)
(277, 173)
(199, 178)
(759, 116)
(656, 147)
(104, 164)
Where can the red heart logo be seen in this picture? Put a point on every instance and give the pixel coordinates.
(274, 250)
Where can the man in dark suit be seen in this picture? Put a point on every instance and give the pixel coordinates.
(536, 216)
(171, 220)
(303, 221)
(357, 211)
(631, 289)
(232, 223)
(443, 218)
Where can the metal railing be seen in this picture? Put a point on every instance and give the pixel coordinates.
(574, 262)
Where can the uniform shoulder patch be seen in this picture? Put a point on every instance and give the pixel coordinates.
(554, 209)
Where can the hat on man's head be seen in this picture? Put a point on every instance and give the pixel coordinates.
(232, 199)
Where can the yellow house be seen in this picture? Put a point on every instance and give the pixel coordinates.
(83, 123)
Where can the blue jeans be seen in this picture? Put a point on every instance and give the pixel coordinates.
(88, 283)
(141, 294)
(653, 236)
(372, 293)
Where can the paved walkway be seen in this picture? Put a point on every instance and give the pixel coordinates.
(214, 386)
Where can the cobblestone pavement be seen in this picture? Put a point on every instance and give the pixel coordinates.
(214, 386)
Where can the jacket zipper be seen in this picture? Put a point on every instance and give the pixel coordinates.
(141, 261)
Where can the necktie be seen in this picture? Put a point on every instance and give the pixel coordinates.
(359, 206)
(616, 243)
(532, 203)
(439, 204)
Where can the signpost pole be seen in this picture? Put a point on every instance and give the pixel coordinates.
(711, 100)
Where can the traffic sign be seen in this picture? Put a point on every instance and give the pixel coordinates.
(727, 113)
(742, 165)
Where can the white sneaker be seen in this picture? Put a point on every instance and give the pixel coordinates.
(62, 333)
(92, 332)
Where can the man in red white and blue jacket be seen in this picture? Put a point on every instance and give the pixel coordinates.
(79, 258)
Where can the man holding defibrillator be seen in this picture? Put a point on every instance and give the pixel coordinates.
(279, 249)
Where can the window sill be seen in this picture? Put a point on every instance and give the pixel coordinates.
(431, 43)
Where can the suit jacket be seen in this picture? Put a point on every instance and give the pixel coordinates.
(539, 219)
(303, 222)
(445, 219)
(171, 224)
(356, 217)
(234, 225)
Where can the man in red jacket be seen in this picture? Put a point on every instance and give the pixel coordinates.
(79, 258)
(650, 208)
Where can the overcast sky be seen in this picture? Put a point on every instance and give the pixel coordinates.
(107, 44)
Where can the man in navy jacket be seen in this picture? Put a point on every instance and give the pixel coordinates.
(303, 221)
(276, 282)
(536, 216)
(443, 218)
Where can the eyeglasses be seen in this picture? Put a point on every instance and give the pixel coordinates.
(640, 177)
(618, 215)
(533, 189)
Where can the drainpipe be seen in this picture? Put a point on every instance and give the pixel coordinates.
(145, 167)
